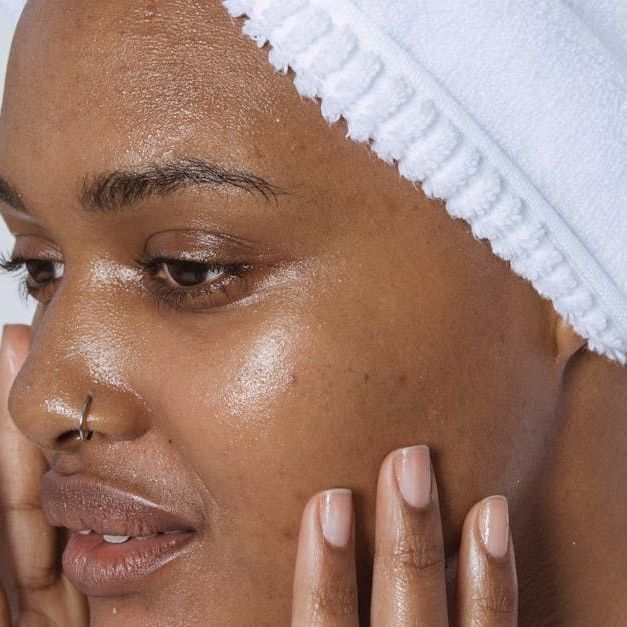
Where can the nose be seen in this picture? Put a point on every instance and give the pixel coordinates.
(72, 356)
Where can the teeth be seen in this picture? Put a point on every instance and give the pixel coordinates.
(122, 539)
(116, 539)
(84, 532)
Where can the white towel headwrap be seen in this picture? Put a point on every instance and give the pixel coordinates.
(512, 111)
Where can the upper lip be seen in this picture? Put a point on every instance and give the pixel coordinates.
(83, 502)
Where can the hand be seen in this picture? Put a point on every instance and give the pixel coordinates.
(41, 595)
(409, 578)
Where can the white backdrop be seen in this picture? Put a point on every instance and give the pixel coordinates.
(12, 308)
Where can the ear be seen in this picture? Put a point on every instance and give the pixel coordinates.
(567, 341)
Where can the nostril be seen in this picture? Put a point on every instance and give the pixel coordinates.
(67, 435)
(56, 420)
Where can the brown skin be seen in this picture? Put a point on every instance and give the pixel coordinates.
(381, 323)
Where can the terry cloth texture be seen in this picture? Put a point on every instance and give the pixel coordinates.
(514, 112)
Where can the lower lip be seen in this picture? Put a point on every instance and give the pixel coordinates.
(99, 568)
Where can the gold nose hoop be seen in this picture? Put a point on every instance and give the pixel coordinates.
(85, 434)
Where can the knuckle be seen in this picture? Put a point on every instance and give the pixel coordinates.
(415, 556)
(332, 600)
(37, 581)
(20, 507)
(495, 601)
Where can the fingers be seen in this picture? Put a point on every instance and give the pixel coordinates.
(29, 549)
(325, 583)
(408, 581)
(21, 468)
(487, 588)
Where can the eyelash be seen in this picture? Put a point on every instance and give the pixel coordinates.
(233, 280)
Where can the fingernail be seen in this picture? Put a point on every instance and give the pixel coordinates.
(494, 525)
(336, 516)
(413, 474)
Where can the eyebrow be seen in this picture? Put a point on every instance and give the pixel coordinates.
(114, 191)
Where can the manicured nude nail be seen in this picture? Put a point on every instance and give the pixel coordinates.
(413, 474)
(494, 525)
(336, 516)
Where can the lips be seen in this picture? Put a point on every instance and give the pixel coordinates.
(118, 539)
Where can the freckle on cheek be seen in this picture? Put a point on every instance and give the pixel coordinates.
(288, 534)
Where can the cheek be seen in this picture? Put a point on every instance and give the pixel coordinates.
(261, 407)
(242, 398)
(259, 410)
(257, 378)
(283, 403)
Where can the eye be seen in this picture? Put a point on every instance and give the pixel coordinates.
(41, 272)
(190, 273)
(37, 277)
(189, 285)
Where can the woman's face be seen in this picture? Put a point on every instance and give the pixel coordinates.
(339, 313)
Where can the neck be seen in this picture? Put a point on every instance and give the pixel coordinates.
(572, 546)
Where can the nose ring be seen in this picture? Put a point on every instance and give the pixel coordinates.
(83, 433)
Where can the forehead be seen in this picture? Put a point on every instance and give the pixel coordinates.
(108, 84)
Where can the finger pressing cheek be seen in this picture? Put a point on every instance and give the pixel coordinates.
(325, 582)
(408, 580)
(487, 587)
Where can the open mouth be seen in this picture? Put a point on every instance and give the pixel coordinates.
(117, 538)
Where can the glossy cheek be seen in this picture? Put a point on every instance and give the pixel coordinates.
(261, 375)
(231, 398)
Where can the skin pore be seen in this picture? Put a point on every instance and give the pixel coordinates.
(364, 319)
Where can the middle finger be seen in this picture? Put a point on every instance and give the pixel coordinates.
(409, 585)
